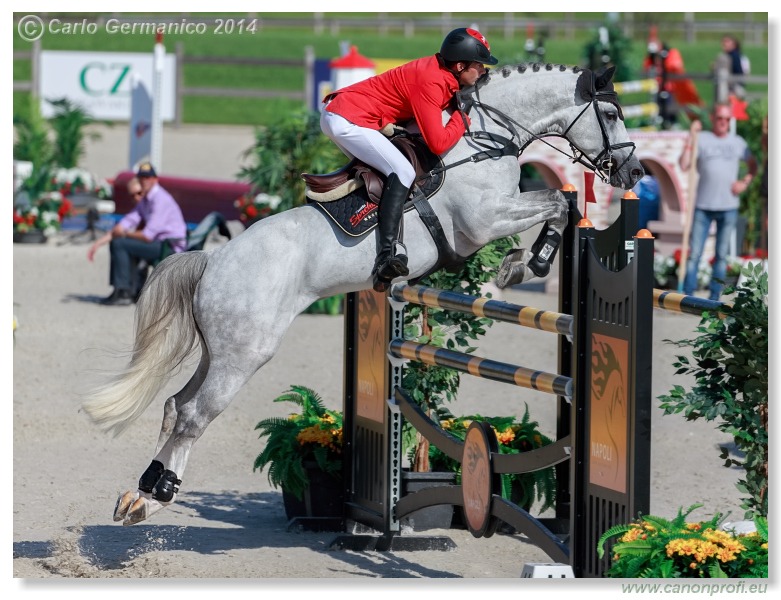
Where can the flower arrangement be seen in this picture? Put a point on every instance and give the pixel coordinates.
(656, 547)
(310, 437)
(252, 208)
(665, 270)
(80, 181)
(45, 214)
(513, 436)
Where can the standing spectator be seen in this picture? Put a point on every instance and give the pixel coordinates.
(719, 154)
(140, 234)
(734, 62)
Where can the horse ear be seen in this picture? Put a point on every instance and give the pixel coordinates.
(604, 77)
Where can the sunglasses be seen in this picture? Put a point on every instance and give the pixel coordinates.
(136, 194)
(720, 118)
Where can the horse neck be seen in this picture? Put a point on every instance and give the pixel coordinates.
(541, 101)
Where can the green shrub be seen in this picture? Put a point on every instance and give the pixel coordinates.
(731, 371)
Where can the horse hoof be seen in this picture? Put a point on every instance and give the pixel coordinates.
(513, 270)
(139, 511)
(123, 504)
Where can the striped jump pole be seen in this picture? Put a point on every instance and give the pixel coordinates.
(482, 367)
(498, 310)
(676, 302)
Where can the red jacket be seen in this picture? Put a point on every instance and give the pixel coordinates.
(420, 89)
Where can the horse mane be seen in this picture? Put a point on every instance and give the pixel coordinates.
(534, 67)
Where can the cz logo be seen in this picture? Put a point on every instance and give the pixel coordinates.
(101, 79)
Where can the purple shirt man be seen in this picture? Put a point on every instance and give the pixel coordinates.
(161, 216)
(142, 235)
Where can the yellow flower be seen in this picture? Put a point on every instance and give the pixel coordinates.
(506, 436)
(682, 547)
(632, 534)
(705, 551)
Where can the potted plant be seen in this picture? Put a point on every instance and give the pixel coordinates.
(283, 151)
(514, 436)
(303, 453)
(34, 222)
(652, 547)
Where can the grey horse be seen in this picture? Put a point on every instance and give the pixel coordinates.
(268, 275)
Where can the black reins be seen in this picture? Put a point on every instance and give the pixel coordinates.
(603, 165)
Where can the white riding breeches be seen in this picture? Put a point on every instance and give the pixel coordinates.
(367, 145)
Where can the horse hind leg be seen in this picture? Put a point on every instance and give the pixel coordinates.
(137, 505)
(159, 485)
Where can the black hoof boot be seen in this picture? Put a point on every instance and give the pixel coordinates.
(166, 487)
(544, 251)
(151, 476)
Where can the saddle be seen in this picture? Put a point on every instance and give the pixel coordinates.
(351, 195)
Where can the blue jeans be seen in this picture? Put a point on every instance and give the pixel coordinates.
(125, 254)
(726, 221)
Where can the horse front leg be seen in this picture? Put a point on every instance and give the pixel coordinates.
(524, 264)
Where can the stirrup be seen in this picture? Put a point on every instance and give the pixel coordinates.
(392, 265)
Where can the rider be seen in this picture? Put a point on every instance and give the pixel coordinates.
(353, 117)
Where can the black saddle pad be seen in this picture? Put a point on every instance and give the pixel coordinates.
(356, 213)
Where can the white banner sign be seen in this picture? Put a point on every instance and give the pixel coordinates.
(99, 82)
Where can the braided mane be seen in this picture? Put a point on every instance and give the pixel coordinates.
(508, 70)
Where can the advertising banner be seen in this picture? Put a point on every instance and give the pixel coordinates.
(100, 82)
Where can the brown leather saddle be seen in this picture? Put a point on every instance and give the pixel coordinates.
(351, 195)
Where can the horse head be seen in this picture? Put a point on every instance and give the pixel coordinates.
(611, 153)
(542, 102)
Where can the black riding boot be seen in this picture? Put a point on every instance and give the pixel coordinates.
(388, 264)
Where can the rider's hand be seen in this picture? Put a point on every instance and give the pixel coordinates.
(463, 102)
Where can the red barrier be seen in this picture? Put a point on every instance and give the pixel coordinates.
(196, 197)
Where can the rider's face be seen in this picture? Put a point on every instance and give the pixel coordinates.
(470, 72)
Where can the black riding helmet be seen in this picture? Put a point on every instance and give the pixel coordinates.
(465, 44)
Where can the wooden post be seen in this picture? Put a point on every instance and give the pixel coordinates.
(690, 202)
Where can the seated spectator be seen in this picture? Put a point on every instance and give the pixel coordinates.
(140, 235)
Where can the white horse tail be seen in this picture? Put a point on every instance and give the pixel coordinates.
(166, 335)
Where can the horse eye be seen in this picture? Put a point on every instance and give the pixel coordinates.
(611, 115)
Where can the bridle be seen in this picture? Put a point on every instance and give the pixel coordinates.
(604, 164)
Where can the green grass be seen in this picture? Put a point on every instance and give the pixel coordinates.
(289, 43)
